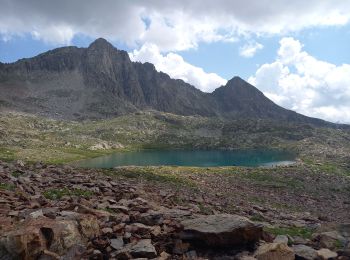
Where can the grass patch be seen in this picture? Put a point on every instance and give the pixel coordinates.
(257, 218)
(152, 174)
(7, 186)
(56, 194)
(7, 154)
(255, 199)
(204, 209)
(16, 174)
(291, 231)
(272, 179)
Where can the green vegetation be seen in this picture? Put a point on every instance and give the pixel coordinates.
(204, 209)
(6, 154)
(56, 194)
(154, 174)
(291, 231)
(338, 244)
(16, 174)
(7, 186)
(272, 179)
(257, 218)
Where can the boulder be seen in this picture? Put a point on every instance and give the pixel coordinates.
(222, 230)
(325, 254)
(274, 251)
(304, 252)
(138, 228)
(332, 240)
(35, 236)
(117, 243)
(143, 248)
(281, 239)
(151, 218)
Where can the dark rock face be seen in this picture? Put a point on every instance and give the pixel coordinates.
(222, 230)
(101, 81)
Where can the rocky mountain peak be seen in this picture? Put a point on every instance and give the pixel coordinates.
(236, 80)
(239, 83)
(101, 81)
(100, 43)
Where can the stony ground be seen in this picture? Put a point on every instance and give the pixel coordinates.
(60, 212)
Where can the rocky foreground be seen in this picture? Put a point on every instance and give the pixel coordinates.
(52, 212)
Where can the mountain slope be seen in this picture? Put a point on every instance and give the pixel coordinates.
(101, 82)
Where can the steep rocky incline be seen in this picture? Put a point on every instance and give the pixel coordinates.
(101, 81)
(52, 212)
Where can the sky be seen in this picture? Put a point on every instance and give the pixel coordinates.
(296, 52)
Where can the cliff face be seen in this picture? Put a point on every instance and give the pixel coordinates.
(101, 81)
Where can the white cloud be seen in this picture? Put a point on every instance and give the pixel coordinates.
(54, 34)
(173, 25)
(250, 49)
(174, 65)
(301, 82)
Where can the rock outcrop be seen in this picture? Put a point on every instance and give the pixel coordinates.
(222, 230)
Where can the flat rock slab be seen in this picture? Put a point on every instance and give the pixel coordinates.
(305, 252)
(222, 230)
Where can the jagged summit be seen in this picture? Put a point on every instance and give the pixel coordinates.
(235, 80)
(100, 43)
(101, 81)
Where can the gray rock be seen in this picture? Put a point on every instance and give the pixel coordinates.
(151, 218)
(305, 252)
(143, 248)
(325, 253)
(117, 243)
(36, 214)
(281, 239)
(221, 230)
(332, 240)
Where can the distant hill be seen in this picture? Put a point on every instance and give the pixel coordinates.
(102, 82)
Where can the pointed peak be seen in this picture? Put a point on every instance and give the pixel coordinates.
(236, 80)
(100, 43)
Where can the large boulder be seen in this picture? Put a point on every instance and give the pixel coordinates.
(222, 230)
(274, 251)
(143, 248)
(305, 252)
(33, 237)
(331, 239)
(325, 254)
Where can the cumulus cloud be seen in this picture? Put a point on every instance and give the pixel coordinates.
(174, 65)
(301, 82)
(249, 50)
(172, 25)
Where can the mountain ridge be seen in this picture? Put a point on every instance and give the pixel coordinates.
(101, 81)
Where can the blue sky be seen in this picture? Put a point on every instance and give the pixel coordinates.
(295, 52)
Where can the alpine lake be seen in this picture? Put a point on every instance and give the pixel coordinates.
(194, 158)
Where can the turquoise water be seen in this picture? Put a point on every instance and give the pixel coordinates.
(201, 158)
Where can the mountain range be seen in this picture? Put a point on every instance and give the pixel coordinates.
(102, 82)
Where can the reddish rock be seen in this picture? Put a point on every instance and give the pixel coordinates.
(34, 236)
